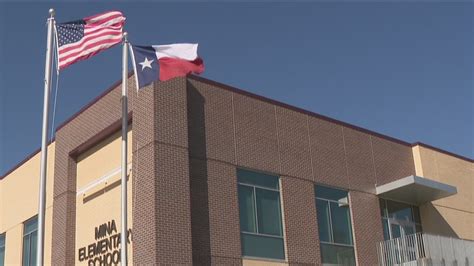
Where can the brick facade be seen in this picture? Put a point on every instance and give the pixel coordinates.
(190, 135)
(162, 203)
(366, 225)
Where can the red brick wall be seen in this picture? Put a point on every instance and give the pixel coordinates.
(162, 202)
(366, 226)
(359, 160)
(189, 138)
(328, 153)
(215, 210)
(391, 160)
(224, 220)
(255, 134)
(301, 228)
(144, 183)
(243, 131)
(293, 144)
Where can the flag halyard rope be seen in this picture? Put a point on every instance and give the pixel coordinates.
(55, 54)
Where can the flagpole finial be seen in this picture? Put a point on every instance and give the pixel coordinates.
(51, 12)
(125, 36)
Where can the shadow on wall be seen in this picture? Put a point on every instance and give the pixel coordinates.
(434, 223)
(200, 231)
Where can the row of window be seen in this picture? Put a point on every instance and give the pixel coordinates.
(30, 235)
(261, 220)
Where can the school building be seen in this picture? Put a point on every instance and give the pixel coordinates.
(221, 176)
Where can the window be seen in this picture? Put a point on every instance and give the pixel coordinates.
(30, 235)
(399, 219)
(260, 215)
(2, 249)
(334, 223)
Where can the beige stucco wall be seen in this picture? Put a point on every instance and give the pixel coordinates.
(100, 203)
(19, 202)
(454, 215)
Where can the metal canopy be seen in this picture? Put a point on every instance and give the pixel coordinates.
(415, 190)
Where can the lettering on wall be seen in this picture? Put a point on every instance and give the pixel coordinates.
(106, 249)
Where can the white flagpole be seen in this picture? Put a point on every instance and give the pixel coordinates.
(124, 230)
(44, 141)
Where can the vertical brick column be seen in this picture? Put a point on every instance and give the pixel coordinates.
(366, 225)
(161, 206)
(224, 214)
(198, 177)
(214, 197)
(64, 205)
(302, 238)
(360, 160)
(144, 189)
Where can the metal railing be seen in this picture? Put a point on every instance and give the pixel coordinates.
(426, 249)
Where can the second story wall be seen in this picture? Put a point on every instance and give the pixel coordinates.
(19, 192)
(454, 215)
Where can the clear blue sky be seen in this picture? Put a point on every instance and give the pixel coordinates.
(401, 69)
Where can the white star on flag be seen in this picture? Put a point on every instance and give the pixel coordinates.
(146, 63)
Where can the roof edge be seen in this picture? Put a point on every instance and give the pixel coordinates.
(89, 104)
(421, 144)
(297, 109)
(323, 117)
(76, 114)
(26, 159)
(249, 94)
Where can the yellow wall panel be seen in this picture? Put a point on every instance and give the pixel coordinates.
(19, 192)
(21, 188)
(98, 201)
(14, 245)
(454, 215)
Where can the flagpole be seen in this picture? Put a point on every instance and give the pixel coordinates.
(124, 230)
(44, 143)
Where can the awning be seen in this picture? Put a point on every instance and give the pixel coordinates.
(415, 190)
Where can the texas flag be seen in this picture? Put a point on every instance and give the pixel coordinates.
(165, 62)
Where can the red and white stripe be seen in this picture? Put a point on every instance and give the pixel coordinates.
(178, 60)
(101, 31)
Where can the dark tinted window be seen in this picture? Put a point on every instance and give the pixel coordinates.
(268, 206)
(334, 224)
(257, 179)
(247, 209)
(322, 210)
(30, 234)
(2, 249)
(260, 215)
(330, 193)
(341, 224)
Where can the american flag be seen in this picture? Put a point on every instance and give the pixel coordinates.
(81, 39)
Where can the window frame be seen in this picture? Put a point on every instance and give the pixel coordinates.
(254, 188)
(29, 235)
(331, 233)
(386, 218)
(3, 236)
(330, 226)
(331, 230)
